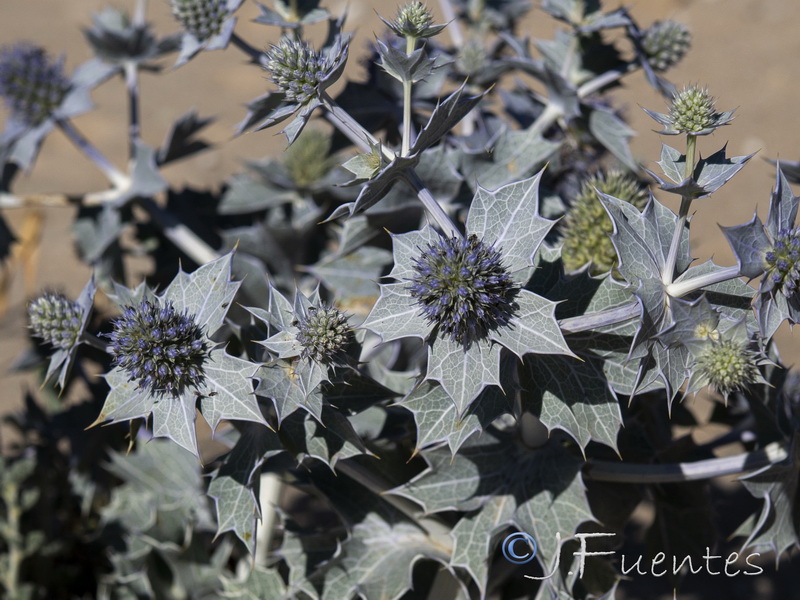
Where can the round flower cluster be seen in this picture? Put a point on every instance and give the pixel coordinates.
(666, 43)
(159, 348)
(324, 334)
(463, 287)
(728, 365)
(783, 261)
(297, 69)
(587, 226)
(56, 319)
(32, 85)
(202, 18)
(412, 21)
(308, 159)
(692, 111)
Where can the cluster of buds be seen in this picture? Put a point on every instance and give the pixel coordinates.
(463, 288)
(202, 18)
(414, 21)
(587, 226)
(56, 319)
(159, 348)
(32, 85)
(299, 70)
(728, 365)
(783, 261)
(665, 44)
(324, 334)
(692, 111)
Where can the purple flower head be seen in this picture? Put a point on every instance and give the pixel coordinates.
(463, 288)
(32, 85)
(160, 348)
(56, 319)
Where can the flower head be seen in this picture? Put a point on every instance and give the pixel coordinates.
(202, 18)
(728, 365)
(308, 159)
(783, 262)
(414, 20)
(301, 72)
(462, 287)
(665, 44)
(587, 226)
(324, 334)
(159, 348)
(32, 85)
(692, 112)
(56, 319)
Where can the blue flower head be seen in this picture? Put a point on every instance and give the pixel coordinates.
(56, 319)
(783, 261)
(463, 287)
(31, 83)
(160, 348)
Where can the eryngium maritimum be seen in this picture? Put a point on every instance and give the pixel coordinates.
(783, 261)
(666, 43)
(299, 70)
(587, 226)
(56, 319)
(692, 111)
(728, 365)
(324, 334)
(463, 287)
(159, 348)
(32, 85)
(202, 18)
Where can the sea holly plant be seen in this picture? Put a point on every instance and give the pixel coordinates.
(445, 336)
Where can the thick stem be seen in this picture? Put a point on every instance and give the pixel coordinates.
(681, 288)
(547, 117)
(269, 497)
(623, 472)
(13, 539)
(434, 209)
(411, 43)
(117, 178)
(668, 275)
(132, 83)
(607, 78)
(256, 56)
(179, 234)
(95, 342)
(604, 318)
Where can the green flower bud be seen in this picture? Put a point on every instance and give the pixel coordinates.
(202, 18)
(324, 334)
(471, 59)
(412, 20)
(692, 111)
(587, 226)
(728, 365)
(666, 43)
(307, 160)
(56, 319)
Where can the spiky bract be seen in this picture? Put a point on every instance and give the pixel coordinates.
(161, 349)
(412, 21)
(56, 319)
(587, 226)
(202, 18)
(324, 334)
(783, 261)
(666, 43)
(463, 287)
(32, 84)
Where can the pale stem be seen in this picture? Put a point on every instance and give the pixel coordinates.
(453, 26)
(681, 288)
(117, 178)
(411, 43)
(131, 82)
(140, 13)
(271, 488)
(13, 539)
(95, 342)
(599, 82)
(179, 234)
(686, 203)
(625, 472)
(599, 319)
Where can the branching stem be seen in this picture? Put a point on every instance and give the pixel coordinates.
(624, 472)
(117, 178)
(179, 234)
(132, 84)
